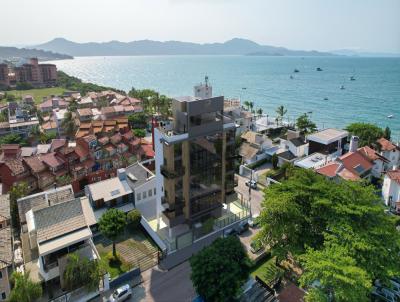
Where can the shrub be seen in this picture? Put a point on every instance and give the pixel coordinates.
(134, 217)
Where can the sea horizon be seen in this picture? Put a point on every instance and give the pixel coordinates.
(371, 97)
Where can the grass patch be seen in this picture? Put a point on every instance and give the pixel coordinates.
(38, 93)
(267, 271)
(114, 265)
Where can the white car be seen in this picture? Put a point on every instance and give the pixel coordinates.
(121, 294)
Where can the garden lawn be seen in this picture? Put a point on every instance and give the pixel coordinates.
(38, 94)
(267, 271)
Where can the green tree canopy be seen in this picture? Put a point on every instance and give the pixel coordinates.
(112, 224)
(13, 139)
(80, 271)
(367, 133)
(387, 133)
(139, 133)
(17, 191)
(138, 120)
(309, 211)
(134, 217)
(68, 124)
(24, 289)
(281, 111)
(305, 125)
(219, 270)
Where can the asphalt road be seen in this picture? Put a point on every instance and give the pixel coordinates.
(256, 194)
(165, 286)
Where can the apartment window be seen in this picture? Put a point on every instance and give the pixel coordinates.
(1, 275)
(144, 194)
(139, 196)
(150, 193)
(154, 191)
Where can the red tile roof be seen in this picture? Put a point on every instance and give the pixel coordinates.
(329, 169)
(386, 145)
(35, 164)
(371, 154)
(81, 152)
(148, 150)
(57, 143)
(52, 160)
(351, 160)
(15, 165)
(394, 175)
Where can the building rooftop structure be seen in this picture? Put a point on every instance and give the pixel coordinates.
(328, 136)
(5, 213)
(387, 145)
(6, 252)
(137, 175)
(394, 175)
(109, 189)
(43, 199)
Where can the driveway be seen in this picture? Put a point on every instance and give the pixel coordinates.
(257, 195)
(246, 238)
(165, 286)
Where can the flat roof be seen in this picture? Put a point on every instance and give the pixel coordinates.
(140, 173)
(109, 189)
(312, 161)
(327, 136)
(6, 253)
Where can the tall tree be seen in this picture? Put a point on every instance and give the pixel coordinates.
(17, 191)
(368, 133)
(80, 271)
(246, 104)
(219, 270)
(281, 112)
(387, 133)
(305, 125)
(112, 224)
(309, 211)
(24, 289)
(338, 276)
(68, 124)
(259, 112)
(251, 107)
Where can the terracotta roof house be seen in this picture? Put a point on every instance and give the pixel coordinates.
(54, 162)
(377, 159)
(390, 151)
(391, 189)
(34, 164)
(52, 103)
(12, 171)
(84, 114)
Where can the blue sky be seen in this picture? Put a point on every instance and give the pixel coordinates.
(372, 25)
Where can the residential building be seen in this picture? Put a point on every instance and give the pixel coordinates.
(55, 225)
(391, 189)
(4, 79)
(194, 161)
(110, 193)
(379, 162)
(52, 103)
(243, 118)
(6, 253)
(327, 141)
(254, 146)
(390, 151)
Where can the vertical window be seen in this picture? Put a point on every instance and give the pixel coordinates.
(3, 296)
(139, 196)
(144, 194)
(154, 191)
(150, 193)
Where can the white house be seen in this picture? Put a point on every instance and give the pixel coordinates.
(378, 160)
(390, 151)
(391, 189)
(254, 146)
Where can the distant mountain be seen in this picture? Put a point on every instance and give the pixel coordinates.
(7, 53)
(361, 53)
(148, 47)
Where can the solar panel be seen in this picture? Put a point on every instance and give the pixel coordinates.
(359, 169)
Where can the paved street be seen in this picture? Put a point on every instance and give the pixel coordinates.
(159, 286)
(256, 194)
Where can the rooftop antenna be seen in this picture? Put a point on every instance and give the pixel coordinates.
(206, 80)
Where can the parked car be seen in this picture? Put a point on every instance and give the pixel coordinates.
(252, 184)
(378, 294)
(254, 221)
(121, 294)
(243, 227)
(230, 232)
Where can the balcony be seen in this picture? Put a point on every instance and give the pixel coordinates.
(173, 217)
(172, 174)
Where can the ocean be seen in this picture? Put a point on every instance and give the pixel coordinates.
(372, 97)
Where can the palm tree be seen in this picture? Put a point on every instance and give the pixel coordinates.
(251, 106)
(281, 111)
(24, 290)
(68, 124)
(259, 112)
(246, 105)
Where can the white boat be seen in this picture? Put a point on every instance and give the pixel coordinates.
(342, 87)
(390, 116)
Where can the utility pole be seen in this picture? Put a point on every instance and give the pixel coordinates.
(250, 184)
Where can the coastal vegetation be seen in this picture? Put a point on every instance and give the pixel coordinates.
(153, 102)
(219, 270)
(24, 289)
(37, 94)
(305, 125)
(281, 112)
(367, 133)
(338, 233)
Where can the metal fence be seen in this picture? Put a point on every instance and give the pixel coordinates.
(125, 278)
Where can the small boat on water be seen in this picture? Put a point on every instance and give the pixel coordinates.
(352, 78)
(319, 69)
(342, 87)
(291, 77)
(296, 70)
(390, 116)
(326, 98)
